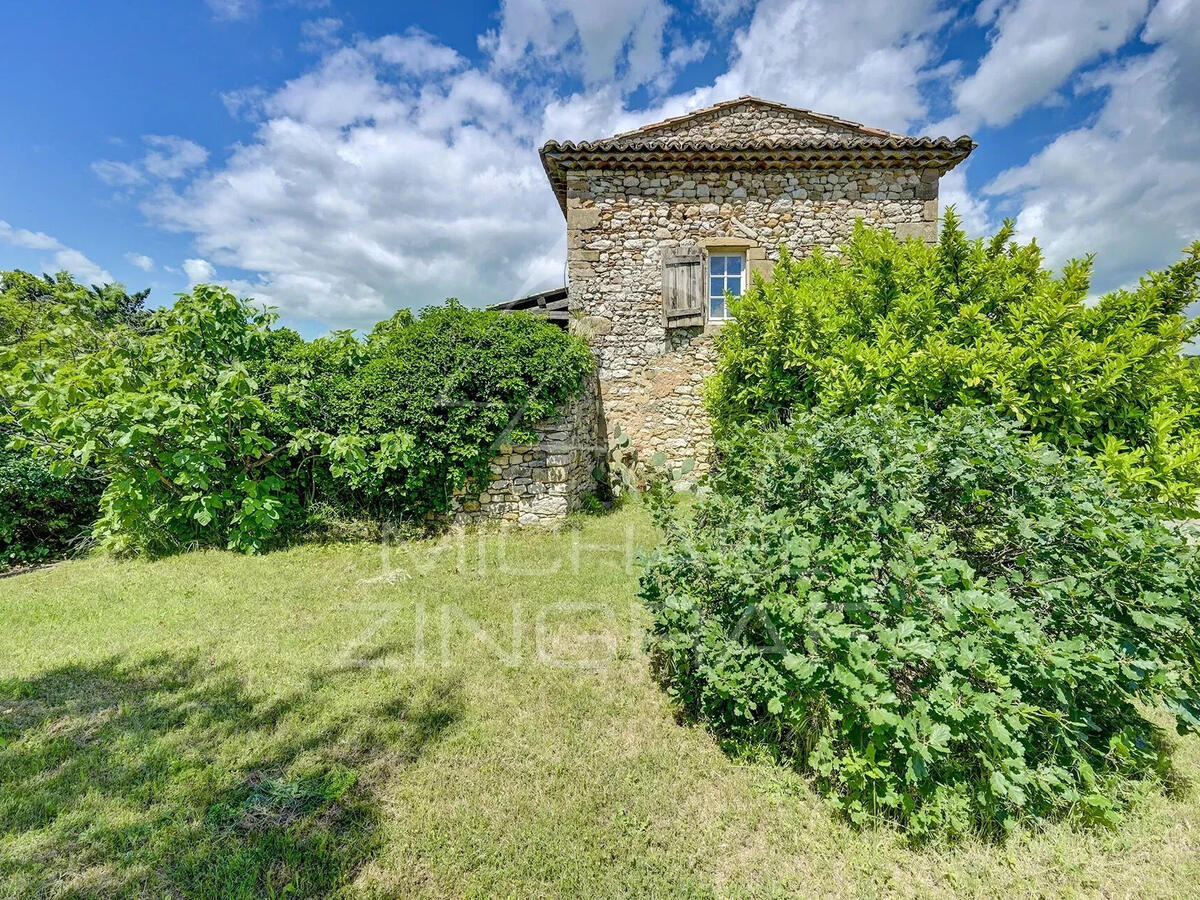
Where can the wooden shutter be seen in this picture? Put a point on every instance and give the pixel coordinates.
(683, 288)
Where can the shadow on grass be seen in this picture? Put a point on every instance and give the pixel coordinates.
(166, 776)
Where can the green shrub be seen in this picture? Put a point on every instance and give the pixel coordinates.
(171, 417)
(951, 625)
(977, 323)
(214, 428)
(460, 382)
(42, 515)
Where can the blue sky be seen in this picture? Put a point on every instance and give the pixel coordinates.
(344, 159)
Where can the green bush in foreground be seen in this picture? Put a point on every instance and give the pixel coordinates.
(170, 416)
(977, 323)
(951, 625)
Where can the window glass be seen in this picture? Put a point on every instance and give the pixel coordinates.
(725, 273)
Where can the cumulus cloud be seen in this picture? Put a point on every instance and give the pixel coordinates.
(600, 42)
(722, 11)
(171, 156)
(1035, 47)
(362, 193)
(973, 210)
(117, 174)
(140, 261)
(865, 60)
(63, 258)
(1127, 185)
(198, 271)
(319, 34)
(29, 240)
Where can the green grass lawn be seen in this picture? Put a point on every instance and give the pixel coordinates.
(466, 718)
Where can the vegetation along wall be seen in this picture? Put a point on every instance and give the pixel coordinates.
(541, 482)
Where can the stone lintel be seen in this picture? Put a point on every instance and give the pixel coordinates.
(726, 243)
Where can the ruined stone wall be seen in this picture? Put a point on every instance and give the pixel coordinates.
(619, 223)
(540, 483)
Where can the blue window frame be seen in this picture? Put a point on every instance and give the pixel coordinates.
(726, 272)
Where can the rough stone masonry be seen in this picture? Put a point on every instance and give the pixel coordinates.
(744, 177)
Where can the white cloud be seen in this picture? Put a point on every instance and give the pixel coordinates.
(320, 34)
(416, 53)
(140, 261)
(29, 240)
(971, 209)
(1128, 185)
(233, 10)
(64, 258)
(244, 102)
(118, 174)
(598, 41)
(198, 271)
(362, 193)
(172, 156)
(1035, 47)
(865, 60)
(169, 156)
(722, 11)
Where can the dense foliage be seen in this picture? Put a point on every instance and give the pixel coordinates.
(952, 625)
(457, 382)
(977, 323)
(42, 513)
(212, 427)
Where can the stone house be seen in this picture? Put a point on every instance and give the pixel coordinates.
(663, 220)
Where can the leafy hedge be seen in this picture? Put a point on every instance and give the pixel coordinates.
(214, 428)
(977, 323)
(951, 625)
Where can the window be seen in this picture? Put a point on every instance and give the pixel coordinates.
(725, 273)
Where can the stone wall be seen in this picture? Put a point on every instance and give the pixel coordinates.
(620, 222)
(540, 483)
(750, 122)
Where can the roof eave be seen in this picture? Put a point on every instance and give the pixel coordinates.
(941, 154)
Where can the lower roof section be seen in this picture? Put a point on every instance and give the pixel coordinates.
(551, 304)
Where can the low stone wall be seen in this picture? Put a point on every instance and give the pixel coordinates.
(541, 483)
